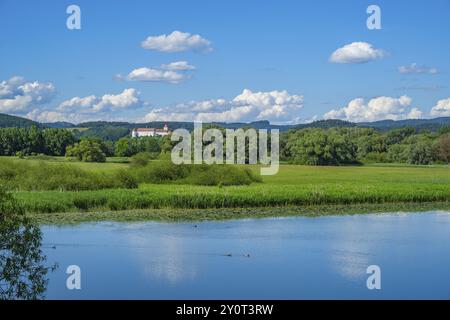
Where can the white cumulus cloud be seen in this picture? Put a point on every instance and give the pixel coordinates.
(275, 106)
(380, 108)
(356, 52)
(108, 102)
(441, 109)
(108, 107)
(18, 96)
(156, 75)
(173, 72)
(177, 41)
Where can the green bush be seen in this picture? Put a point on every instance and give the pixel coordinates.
(208, 175)
(20, 154)
(220, 175)
(126, 180)
(142, 159)
(161, 172)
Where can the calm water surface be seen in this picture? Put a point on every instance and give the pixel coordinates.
(279, 258)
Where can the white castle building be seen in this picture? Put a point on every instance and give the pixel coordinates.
(150, 132)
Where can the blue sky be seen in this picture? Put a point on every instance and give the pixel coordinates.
(278, 50)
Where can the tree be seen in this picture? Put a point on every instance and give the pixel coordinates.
(124, 147)
(22, 263)
(166, 145)
(444, 129)
(33, 140)
(443, 146)
(127, 147)
(321, 147)
(35, 143)
(398, 153)
(57, 140)
(422, 152)
(148, 144)
(398, 135)
(87, 151)
(370, 144)
(106, 146)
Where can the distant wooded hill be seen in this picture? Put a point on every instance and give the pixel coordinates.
(116, 130)
(7, 121)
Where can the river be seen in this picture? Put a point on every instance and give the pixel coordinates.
(273, 258)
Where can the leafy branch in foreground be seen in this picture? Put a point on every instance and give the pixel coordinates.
(22, 263)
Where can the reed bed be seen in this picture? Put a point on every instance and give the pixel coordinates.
(160, 186)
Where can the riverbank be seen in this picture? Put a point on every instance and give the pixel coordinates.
(193, 215)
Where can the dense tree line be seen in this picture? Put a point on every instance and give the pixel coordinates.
(311, 146)
(33, 141)
(127, 146)
(337, 146)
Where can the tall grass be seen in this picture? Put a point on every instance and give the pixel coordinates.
(256, 195)
(41, 176)
(163, 185)
(38, 176)
(159, 172)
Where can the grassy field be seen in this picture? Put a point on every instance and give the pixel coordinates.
(316, 188)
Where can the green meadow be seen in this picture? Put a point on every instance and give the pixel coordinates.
(294, 190)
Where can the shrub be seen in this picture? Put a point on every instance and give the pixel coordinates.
(20, 154)
(142, 159)
(208, 175)
(126, 180)
(161, 172)
(220, 175)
